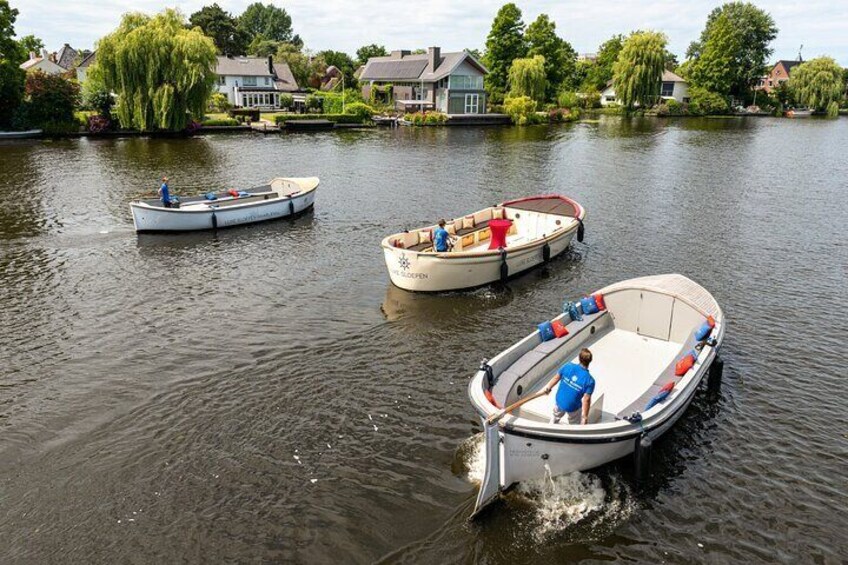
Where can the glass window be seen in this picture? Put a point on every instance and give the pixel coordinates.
(222, 80)
(465, 82)
(668, 89)
(249, 81)
(267, 81)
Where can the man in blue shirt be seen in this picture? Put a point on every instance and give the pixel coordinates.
(441, 238)
(164, 193)
(574, 394)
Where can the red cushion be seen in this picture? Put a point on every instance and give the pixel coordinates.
(683, 366)
(667, 386)
(599, 301)
(490, 398)
(711, 321)
(559, 328)
(233, 192)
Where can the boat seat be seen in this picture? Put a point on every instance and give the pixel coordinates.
(459, 233)
(477, 227)
(664, 377)
(508, 379)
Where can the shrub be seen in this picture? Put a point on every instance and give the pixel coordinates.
(286, 101)
(98, 124)
(59, 128)
(435, 118)
(559, 115)
(101, 101)
(671, 108)
(568, 99)
(218, 102)
(590, 99)
(313, 102)
(360, 110)
(51, 99)
(11, 92)
(281, 119)
(522, 110)
(226, 122)
(702, 102)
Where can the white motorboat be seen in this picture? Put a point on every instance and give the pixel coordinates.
(280, 198)
(640, 342)
(489, 245)
(28, 134)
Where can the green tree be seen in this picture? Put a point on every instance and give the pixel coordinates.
(637, 74)
(9, 48)
(31, 44)
(299, 63)
(229, 38)
(268, 22)
(527, 78)
(161, 72)
(599, 73)
(560, 57)
(504, 44)
(817, 82)
(367, 51)
(343, 62)
(733, 48)
(11, 76)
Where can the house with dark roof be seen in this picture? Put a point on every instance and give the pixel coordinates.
(82, 68)
(672, 87)
(256, 82)
(778, 75)
(45, 62)
(445, 82)
(66, 57)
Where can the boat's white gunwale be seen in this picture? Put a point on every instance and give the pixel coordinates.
(532, 244)
(606, 431)
(211, 208)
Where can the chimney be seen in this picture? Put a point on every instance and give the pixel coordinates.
(45, 54)
(271, 65)
(32, 55)
(434, 58)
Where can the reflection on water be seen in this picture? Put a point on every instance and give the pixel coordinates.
(171, 380)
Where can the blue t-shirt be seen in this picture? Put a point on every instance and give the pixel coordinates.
(440, 239)
(166, 197)
(575, 381)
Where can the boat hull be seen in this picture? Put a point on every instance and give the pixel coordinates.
(152, 219)
(442, 272)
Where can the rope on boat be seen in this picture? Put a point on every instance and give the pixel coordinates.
(214, 221)
(504, 266)
(546, 252)
(291, 207)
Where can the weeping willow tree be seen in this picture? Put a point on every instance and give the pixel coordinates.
(527, 77)
(637, 74)
(162, 72)
(817, 83)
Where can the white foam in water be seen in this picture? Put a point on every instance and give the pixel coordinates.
(558, 502)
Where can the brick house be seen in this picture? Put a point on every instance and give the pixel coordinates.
(778, 75)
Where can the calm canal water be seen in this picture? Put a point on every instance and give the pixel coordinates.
(264, 394)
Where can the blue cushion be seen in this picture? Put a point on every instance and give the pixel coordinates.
(210, 196)
(571, 309)
(703, 332)
(546, 331)
(588, 305)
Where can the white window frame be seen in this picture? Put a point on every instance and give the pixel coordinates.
(472, 101)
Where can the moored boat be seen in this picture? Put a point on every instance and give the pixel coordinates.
(492, 244)
(28, 134)
(799, 113)
(280, 198)
(653, 339)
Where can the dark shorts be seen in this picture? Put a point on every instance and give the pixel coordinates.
(166, 203)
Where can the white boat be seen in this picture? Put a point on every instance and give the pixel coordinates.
(281, 197)
(649, 324)
(542, 227)
(28, 134)
(799, 113)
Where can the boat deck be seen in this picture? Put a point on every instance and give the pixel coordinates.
(624, 365)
